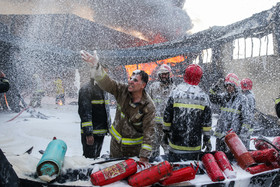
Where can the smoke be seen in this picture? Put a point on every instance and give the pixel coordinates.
(148, 17)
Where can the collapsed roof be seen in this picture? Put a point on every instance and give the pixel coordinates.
(258, 25)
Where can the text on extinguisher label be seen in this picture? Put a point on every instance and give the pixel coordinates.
(114, 170)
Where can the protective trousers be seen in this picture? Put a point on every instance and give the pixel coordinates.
(92, 151)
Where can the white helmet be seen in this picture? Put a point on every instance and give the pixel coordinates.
(164, 68)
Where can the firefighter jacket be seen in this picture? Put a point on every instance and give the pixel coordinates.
(235, 113)
(93, 109)
(251, 100)
(277, 106)
(4, 84)
(160, 92)
(187, 116)
(134, 123)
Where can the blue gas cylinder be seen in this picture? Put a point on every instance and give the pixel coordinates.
(52, 159)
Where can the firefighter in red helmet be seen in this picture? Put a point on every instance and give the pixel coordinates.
(235, 113)
(187, 117)
(246, 86)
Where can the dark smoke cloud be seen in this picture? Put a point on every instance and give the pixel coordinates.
(149, 17)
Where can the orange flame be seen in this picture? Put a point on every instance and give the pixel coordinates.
(151, 66)
(59, 102)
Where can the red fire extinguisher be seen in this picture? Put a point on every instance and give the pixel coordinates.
(212, 168)
(224, 164)
(151, 175)
(264, 156)
(259, 168)
(261, 145)
(241, 154)
(114, 173)
(180, 175)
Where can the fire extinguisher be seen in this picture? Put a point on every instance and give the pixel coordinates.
(212, 168)
(260, 144)
(274, 144)
(114, 173)
(264, 156)
(151, 175)
(224, 164)
(240, 152)
(259, 168)
(180, 175)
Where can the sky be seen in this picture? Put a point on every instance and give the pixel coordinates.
(208, 13)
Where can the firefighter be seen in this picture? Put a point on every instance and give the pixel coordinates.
(187, 118)
(246, 86)
(95, 118)
(60, 96)
(235, 113)
(159, 92)
(4, 83)
(133, 130)
(277, 106)
(38, 91)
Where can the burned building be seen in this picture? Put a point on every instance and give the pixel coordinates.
(50, 42)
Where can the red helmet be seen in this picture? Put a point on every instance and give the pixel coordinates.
(231, 78)
(193, 74)
(246, 84)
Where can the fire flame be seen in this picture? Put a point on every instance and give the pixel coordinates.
(59, 102)
(151, 66)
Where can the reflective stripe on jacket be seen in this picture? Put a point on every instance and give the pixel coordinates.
(235, 113)
(93, 109)
(134, 123)
(160, 92)
(187, 116)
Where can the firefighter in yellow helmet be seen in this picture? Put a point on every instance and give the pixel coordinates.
(60, 95)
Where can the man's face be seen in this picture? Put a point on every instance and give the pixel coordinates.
(164, 77)
(230, 88)
(135, 83)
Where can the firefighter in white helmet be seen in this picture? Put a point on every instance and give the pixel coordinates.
(159, 92)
